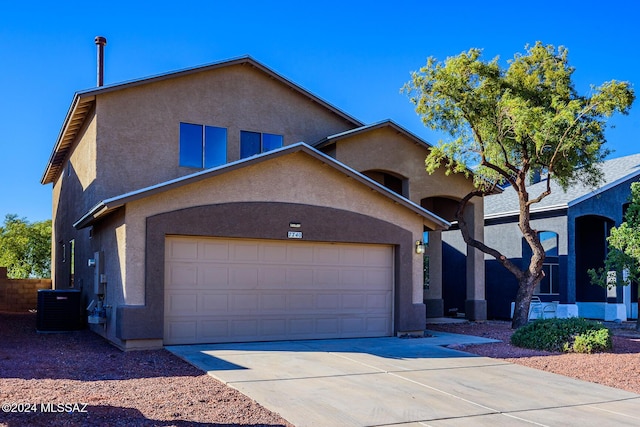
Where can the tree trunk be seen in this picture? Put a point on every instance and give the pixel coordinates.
(523, 301)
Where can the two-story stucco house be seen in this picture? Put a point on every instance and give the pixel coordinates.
(225, 203)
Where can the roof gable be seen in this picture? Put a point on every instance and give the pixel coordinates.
(109, 205)
(83, 103)
(332, 139)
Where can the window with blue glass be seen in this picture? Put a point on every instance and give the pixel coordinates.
(202, 146)
(252, 143)
(550, 283)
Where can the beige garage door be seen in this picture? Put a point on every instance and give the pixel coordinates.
(235, 290)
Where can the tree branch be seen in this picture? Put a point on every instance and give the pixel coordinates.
(466, 235)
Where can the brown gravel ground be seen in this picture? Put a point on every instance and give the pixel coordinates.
(619, 368)
(154, 388)
(140, 388)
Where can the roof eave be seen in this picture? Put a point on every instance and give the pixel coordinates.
(109, 205)
(80, 107)
(604, 188)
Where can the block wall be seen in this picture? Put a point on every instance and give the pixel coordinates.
(20, 295)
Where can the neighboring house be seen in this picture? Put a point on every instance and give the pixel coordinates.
(225, 203)
(573, 227)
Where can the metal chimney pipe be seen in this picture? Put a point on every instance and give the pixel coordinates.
(100, 42)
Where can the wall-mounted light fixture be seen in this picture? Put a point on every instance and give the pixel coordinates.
(419, 247)
(294, 224)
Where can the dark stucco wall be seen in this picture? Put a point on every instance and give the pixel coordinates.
(504, 235)
(609, 206)
(266, 220)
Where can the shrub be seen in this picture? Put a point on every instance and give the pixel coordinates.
(574, 334)
(593, 341)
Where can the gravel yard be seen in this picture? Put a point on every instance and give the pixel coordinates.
(139, 388)
(103, 386)
(619, 368)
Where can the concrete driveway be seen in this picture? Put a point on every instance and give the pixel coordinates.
(406, 382)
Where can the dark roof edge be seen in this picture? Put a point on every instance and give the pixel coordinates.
(604, 188)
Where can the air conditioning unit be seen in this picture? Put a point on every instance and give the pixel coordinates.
(59, 310)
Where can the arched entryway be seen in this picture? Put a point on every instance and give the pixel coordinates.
(459, 288)
(591, 232)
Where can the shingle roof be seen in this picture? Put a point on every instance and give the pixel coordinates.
(615, 171)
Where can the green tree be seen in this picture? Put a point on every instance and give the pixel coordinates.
(25, 248)
(623, 255)
(507, 124)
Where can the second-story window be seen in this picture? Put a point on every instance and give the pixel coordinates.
(252, 143)
(202, 146)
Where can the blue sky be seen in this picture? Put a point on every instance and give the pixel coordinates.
(354, 54)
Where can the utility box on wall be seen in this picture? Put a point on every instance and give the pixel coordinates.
(59, 310)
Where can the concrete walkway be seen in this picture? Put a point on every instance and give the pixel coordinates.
(406, 382)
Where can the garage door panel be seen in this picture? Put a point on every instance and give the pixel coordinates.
(274, 253)
(243, 302)
(302, 302)
(245, 252)
(183, 275)
(273, 302)
(302, 254)
(213, 330)
(215, 303)
(377, 257)
(352, 256)
(380, 302)
(184, 331)
(243, 277)
(354, 279)
(213, 277)
(300, 278)
(183, 250)
(273, 327)
(378, 278)
(326, 277)
(353, 325)
(234, 290)
(182, 303)
(377, 323)
(354, 301)
(329, 302)
(214, 251)
(327, 255)
(244, 328)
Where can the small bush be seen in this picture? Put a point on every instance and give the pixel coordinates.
(593, 341)
(574, 334)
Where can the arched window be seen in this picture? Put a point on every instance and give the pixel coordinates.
(550, 284)
(549, 241)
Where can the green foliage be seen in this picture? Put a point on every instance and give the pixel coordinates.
(523, 118)
(596, 340)
(623, 256)
(25, 248)
(506, 124)
(574, 334)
